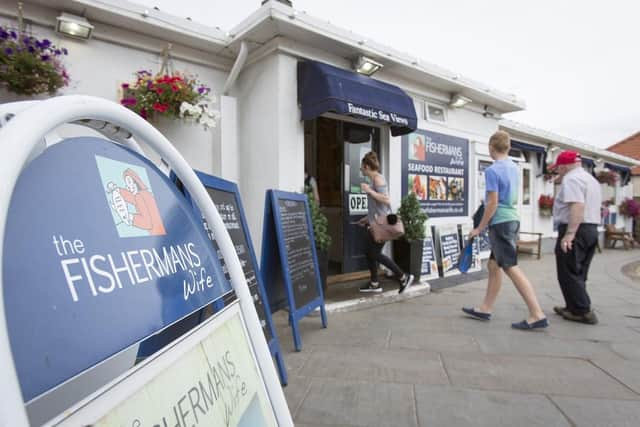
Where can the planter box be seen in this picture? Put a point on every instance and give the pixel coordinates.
(408, 256)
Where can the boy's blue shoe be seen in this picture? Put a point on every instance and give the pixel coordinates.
(476, 314)
(525, 326)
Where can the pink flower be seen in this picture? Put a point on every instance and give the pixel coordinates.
(127, 102)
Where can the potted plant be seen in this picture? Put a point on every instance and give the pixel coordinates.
(321, 234)
(173, 95)
(29, 66)
(407, 250)
(545, 204)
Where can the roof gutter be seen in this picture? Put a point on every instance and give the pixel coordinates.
(237, 67)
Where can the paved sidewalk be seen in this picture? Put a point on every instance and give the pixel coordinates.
(420, 362)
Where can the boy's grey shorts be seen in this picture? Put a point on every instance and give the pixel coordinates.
(503, 237)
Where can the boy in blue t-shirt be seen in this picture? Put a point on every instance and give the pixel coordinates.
(501, 215)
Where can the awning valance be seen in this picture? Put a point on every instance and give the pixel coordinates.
(324, 88)
(588, 162)
(625, 172)
(527, 147)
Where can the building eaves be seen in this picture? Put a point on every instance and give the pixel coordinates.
(274, 19)
(545, 137)
(143, 20)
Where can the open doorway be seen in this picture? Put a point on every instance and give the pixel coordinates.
(333, 153)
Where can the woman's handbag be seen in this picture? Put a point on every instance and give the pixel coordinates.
(386, 227)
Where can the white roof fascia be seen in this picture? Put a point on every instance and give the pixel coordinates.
(147, 15)
(546, 137)
(285, 15)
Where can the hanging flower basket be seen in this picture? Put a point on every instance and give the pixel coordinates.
(630, 208)
(545, 204)
(175, 95)
(608, 177)
(30, 66)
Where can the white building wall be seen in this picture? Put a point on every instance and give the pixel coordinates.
(270, 136)
(98, 68)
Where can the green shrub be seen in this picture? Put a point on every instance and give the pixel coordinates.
(413, 218)
(319, 221)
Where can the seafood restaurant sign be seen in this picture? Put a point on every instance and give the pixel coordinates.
(436, 168)
(99, 254)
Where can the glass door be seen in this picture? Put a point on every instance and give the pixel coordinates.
(358, 140)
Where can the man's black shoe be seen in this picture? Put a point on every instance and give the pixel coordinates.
(560, 310)
(589, 317)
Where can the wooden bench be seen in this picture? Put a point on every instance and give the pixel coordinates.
(613, 236)
(529, 246)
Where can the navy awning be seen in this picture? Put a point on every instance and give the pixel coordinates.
(625, 172)
(324, 88)
(588, 163)
(527, 147)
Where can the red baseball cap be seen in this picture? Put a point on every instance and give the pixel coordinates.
(566, 158)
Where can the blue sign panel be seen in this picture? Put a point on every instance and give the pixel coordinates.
(436, 168)
(289, 261)
(101, 251)
(226, 196)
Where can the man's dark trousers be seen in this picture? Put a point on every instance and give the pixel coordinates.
(573, 267)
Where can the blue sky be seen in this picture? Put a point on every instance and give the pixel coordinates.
(575, 63)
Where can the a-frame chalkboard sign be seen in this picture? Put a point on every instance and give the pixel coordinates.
(289, 261)
(226, 197)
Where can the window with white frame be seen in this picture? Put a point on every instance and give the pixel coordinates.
(435, 113)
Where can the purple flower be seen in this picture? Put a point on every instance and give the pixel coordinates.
(8, 51)
(3, 33)
(65, 51)
(46, 43)
(13, 35)
(128, 101)
(57, 52)
(201, 89)
(44, 57)
(31, 49)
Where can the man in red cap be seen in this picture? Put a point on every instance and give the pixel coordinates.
(576, 211)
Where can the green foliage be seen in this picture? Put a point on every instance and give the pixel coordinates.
(413, 218)
(29, 66)
(319, 221)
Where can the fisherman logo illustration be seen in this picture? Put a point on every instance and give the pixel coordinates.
(130, 198)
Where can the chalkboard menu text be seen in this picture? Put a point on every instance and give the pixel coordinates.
(226, 197)
(429, 268)
(449, 247)
(289, 261)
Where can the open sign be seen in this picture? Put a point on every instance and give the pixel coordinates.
(357, 204)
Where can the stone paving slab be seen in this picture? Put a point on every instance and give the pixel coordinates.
(438, 406)
(545, 375)
(382, 366)
(415, 338)
(541, 344)
(625, 371)
(629, 351)
(420, 361)
(358, 403)
(584, 412)
(295, 392)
